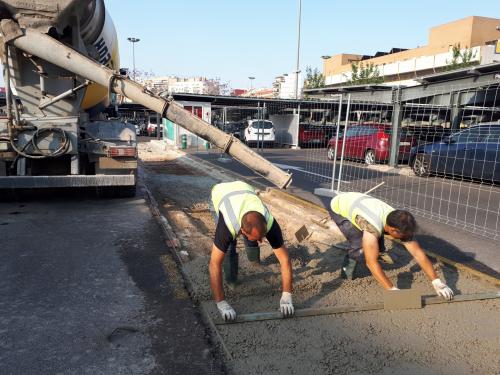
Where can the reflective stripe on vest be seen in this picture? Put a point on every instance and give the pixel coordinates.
(349, 205)
(232, 218)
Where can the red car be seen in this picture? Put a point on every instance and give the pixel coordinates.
(310, 135)
(371, 143)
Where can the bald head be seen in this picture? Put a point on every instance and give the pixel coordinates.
(253, 224)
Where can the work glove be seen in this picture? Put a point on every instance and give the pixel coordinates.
(442, 289)
(394, 288)
(226, 311)
(286, 305)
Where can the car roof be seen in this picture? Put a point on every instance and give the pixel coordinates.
(370, 125)
(485, 125)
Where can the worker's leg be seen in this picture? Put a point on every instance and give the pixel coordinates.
(355, 238)
(384, 255)
(230, 264)
(252, 250)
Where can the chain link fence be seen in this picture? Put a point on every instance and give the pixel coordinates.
(433, 152)
(436, 155)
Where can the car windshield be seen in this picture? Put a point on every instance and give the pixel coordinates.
(474, 134)
(262, 125)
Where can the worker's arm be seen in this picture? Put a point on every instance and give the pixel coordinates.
(418, 253)
(286, 304)
(286, 268)
(371, 250)
(215, 268)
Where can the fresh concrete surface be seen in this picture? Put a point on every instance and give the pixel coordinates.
(459, 338)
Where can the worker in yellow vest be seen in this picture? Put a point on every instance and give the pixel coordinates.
(240, 211)
(364, 220)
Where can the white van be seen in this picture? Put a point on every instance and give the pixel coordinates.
(260, 132)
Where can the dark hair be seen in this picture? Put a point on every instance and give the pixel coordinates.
(254, 219)
(404, 222)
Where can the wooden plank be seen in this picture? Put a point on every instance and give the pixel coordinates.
(301, 313)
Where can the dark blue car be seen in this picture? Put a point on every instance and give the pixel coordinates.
(472, 153)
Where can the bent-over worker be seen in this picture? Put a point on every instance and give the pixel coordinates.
(240, 211)
(364, 220)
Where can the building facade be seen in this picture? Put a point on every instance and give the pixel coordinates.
(191, 85)
(477, 35)
(284, 86)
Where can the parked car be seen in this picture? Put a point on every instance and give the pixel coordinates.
(371, 143)
(427, 133)
(151, 126)
(260, 131)
(471, 153)
(235, 128)
(312, 135)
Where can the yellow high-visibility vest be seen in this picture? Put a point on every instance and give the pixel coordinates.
(349, 205)
(234, 200)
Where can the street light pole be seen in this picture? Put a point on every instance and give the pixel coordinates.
(297, 69)
(251, 80)
(133, 41)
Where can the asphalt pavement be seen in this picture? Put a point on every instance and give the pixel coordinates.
(88, 287)
(449, 226)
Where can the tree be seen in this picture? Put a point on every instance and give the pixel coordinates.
(362, 74)
(461, 59)
(314, 79)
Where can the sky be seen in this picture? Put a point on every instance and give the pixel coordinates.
(235, 39)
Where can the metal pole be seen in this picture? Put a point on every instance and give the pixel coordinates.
(336, 143)
(133, 60)
(397, 116)
(159, 126)
(251, 83)
(344, 141)
(262, 127)
(259, 129)
(298, 52)
(133, 41)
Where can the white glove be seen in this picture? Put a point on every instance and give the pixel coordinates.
(226, 311)
(286, 305)
(394, 288)
(442, 290)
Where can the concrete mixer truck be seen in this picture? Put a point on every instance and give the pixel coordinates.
(61, 69)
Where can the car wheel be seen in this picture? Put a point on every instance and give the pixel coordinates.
(422, 165)
(330, 153)
(370, 157)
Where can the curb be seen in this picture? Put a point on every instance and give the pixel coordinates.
(173, 244)
(295, 199)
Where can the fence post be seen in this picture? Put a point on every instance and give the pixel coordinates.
(347, 113)
(455, 111)
(397, 116)
(339, 120)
